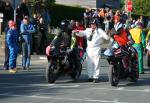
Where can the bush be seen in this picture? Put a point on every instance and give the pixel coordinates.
(61, 12)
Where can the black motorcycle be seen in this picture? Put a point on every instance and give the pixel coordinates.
(63, 61)
(123, 63)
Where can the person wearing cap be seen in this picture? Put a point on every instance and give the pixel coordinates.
(95, 38)
(26, 30)
(139, 39)
(12, 42)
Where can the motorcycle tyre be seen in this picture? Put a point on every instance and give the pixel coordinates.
(112, 79)
(50, 75)
(75, 75)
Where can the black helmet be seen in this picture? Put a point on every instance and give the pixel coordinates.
(94, 21)
(64, 25)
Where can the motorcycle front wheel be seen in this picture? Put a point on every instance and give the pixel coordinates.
(75, 75)
(51, 73)
(113, 76)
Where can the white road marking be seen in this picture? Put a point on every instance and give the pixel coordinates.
(67, 99)
(126, 90)
(121, 88)
(26, 84)
(40, 85)
(51, 86)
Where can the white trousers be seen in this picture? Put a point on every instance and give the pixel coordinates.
(93, 69)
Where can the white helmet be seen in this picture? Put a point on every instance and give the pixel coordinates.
(118, 26)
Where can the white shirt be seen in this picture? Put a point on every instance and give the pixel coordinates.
(93, 46)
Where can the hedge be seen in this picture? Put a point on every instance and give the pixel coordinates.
(62, 12)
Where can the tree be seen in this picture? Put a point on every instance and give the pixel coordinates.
(141, 7)
(42, 2)
(50, 1)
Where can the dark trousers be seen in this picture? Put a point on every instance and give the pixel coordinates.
(36, 39)
(6, 62)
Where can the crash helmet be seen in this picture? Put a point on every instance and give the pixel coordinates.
(94, 21)
(118, 26)
(64, 25)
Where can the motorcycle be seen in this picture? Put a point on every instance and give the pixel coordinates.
(123, 63)
(60, 61)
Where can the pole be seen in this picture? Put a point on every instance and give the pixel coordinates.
(0, 28)
(14, 6)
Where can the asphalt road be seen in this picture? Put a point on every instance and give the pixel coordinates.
(31, 87)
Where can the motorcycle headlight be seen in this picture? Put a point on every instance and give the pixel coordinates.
(115, 45)
(52, 47)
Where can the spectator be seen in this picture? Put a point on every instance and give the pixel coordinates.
(124, 17)
(148, 22)
(12, 41)
(24, 8)
(8, 13)
(80, 41)
(42, 30)
(138, 37)
(110, 13)
(101, 17)
(107, 24)
(102, 13)
(19, 17)
(117, 16)
(35, 37)
(87, 17)
(26, 30)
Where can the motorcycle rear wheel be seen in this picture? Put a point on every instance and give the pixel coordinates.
(134, 74)
(113, 76)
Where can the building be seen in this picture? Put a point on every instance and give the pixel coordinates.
(108, 3)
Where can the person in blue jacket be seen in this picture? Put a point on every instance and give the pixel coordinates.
(12, 43)
(26, 30)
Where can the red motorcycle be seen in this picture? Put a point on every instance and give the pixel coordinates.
(60, 61)
(123, 63)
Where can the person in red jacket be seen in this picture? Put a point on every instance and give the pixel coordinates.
(120, 35)
(80, 40)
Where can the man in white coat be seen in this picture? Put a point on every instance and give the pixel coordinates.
(95, 37)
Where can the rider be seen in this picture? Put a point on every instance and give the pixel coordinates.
(123, 38)
(64, 36)
(120, 35)
(65, 40)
